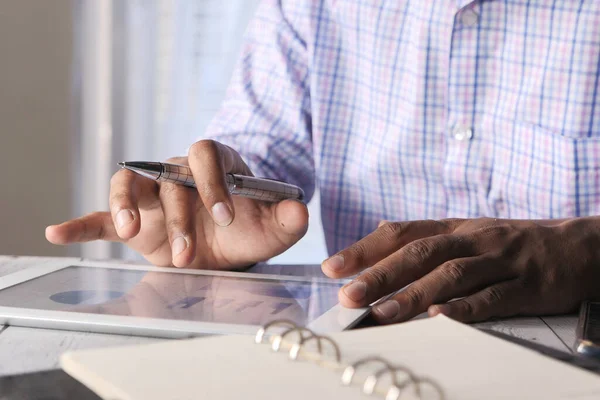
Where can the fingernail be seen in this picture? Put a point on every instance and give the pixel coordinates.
(356, 290)
(438, 309)
(388, 309)
(335, 263)
(179, 244)
(222, 214)
(124, 217)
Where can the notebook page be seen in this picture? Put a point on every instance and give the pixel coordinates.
(467, 363)
(470, 364)
(217, 368)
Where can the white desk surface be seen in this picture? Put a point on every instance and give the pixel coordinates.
(27, 349)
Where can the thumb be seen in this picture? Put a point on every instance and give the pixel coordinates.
(290, 221)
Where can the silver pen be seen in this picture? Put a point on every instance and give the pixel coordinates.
(240, 185)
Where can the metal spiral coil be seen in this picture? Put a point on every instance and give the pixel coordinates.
(401, 377)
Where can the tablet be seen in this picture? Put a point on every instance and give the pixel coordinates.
(168, 302)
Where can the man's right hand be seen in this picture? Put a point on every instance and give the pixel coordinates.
(173, 225)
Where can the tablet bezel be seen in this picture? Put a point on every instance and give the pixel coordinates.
(336, 319)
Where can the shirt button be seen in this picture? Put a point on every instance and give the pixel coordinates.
(469, 17)
(462, 133)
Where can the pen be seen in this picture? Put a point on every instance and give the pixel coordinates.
(240, 185)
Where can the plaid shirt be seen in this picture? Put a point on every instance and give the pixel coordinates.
(422, 109)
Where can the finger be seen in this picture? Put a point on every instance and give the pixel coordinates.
(123, 199)
(504, 299)
(209, 162)
(96, 226)
(403, 267)
(280, 225)
(179, 205)
(454, 278)
(379, 244)
(290, 221)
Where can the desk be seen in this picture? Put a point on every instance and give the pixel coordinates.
(27, 349)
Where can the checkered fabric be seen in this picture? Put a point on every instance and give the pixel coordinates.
(422, 109)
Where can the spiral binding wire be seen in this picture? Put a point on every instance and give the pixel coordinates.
(401, 377)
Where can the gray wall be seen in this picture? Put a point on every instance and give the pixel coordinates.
(35, 134)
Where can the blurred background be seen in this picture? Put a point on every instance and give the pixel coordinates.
(87, 83)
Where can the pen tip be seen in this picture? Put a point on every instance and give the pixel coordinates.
(121, 164)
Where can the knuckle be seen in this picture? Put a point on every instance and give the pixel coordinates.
(415, 295)
(444, 225)
(359, 252)
(176, 224)
(454, 271)
(119, 198)
(392, 230)
(489, 221)
(203, 147)
(471, 244)
(492, 295)
(467, 308)
(209, 191)
(380, 276)
(503, 230)
(168, 189)
(418, 250)
(101, 232)
(86, 229)
(450, 223)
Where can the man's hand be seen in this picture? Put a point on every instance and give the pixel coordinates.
(488, 267)
(205, 228)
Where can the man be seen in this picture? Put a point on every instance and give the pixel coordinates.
(403, 110)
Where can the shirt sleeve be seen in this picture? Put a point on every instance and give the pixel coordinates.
(267, 111)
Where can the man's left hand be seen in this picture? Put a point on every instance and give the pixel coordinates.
(472, 269)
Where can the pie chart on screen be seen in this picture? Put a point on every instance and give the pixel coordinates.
(75, 297)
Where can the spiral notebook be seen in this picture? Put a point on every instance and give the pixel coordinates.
(433, 358)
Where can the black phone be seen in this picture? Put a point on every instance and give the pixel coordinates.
(588, 330)
(44, 385)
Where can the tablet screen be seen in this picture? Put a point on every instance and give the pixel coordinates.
(203, 298)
